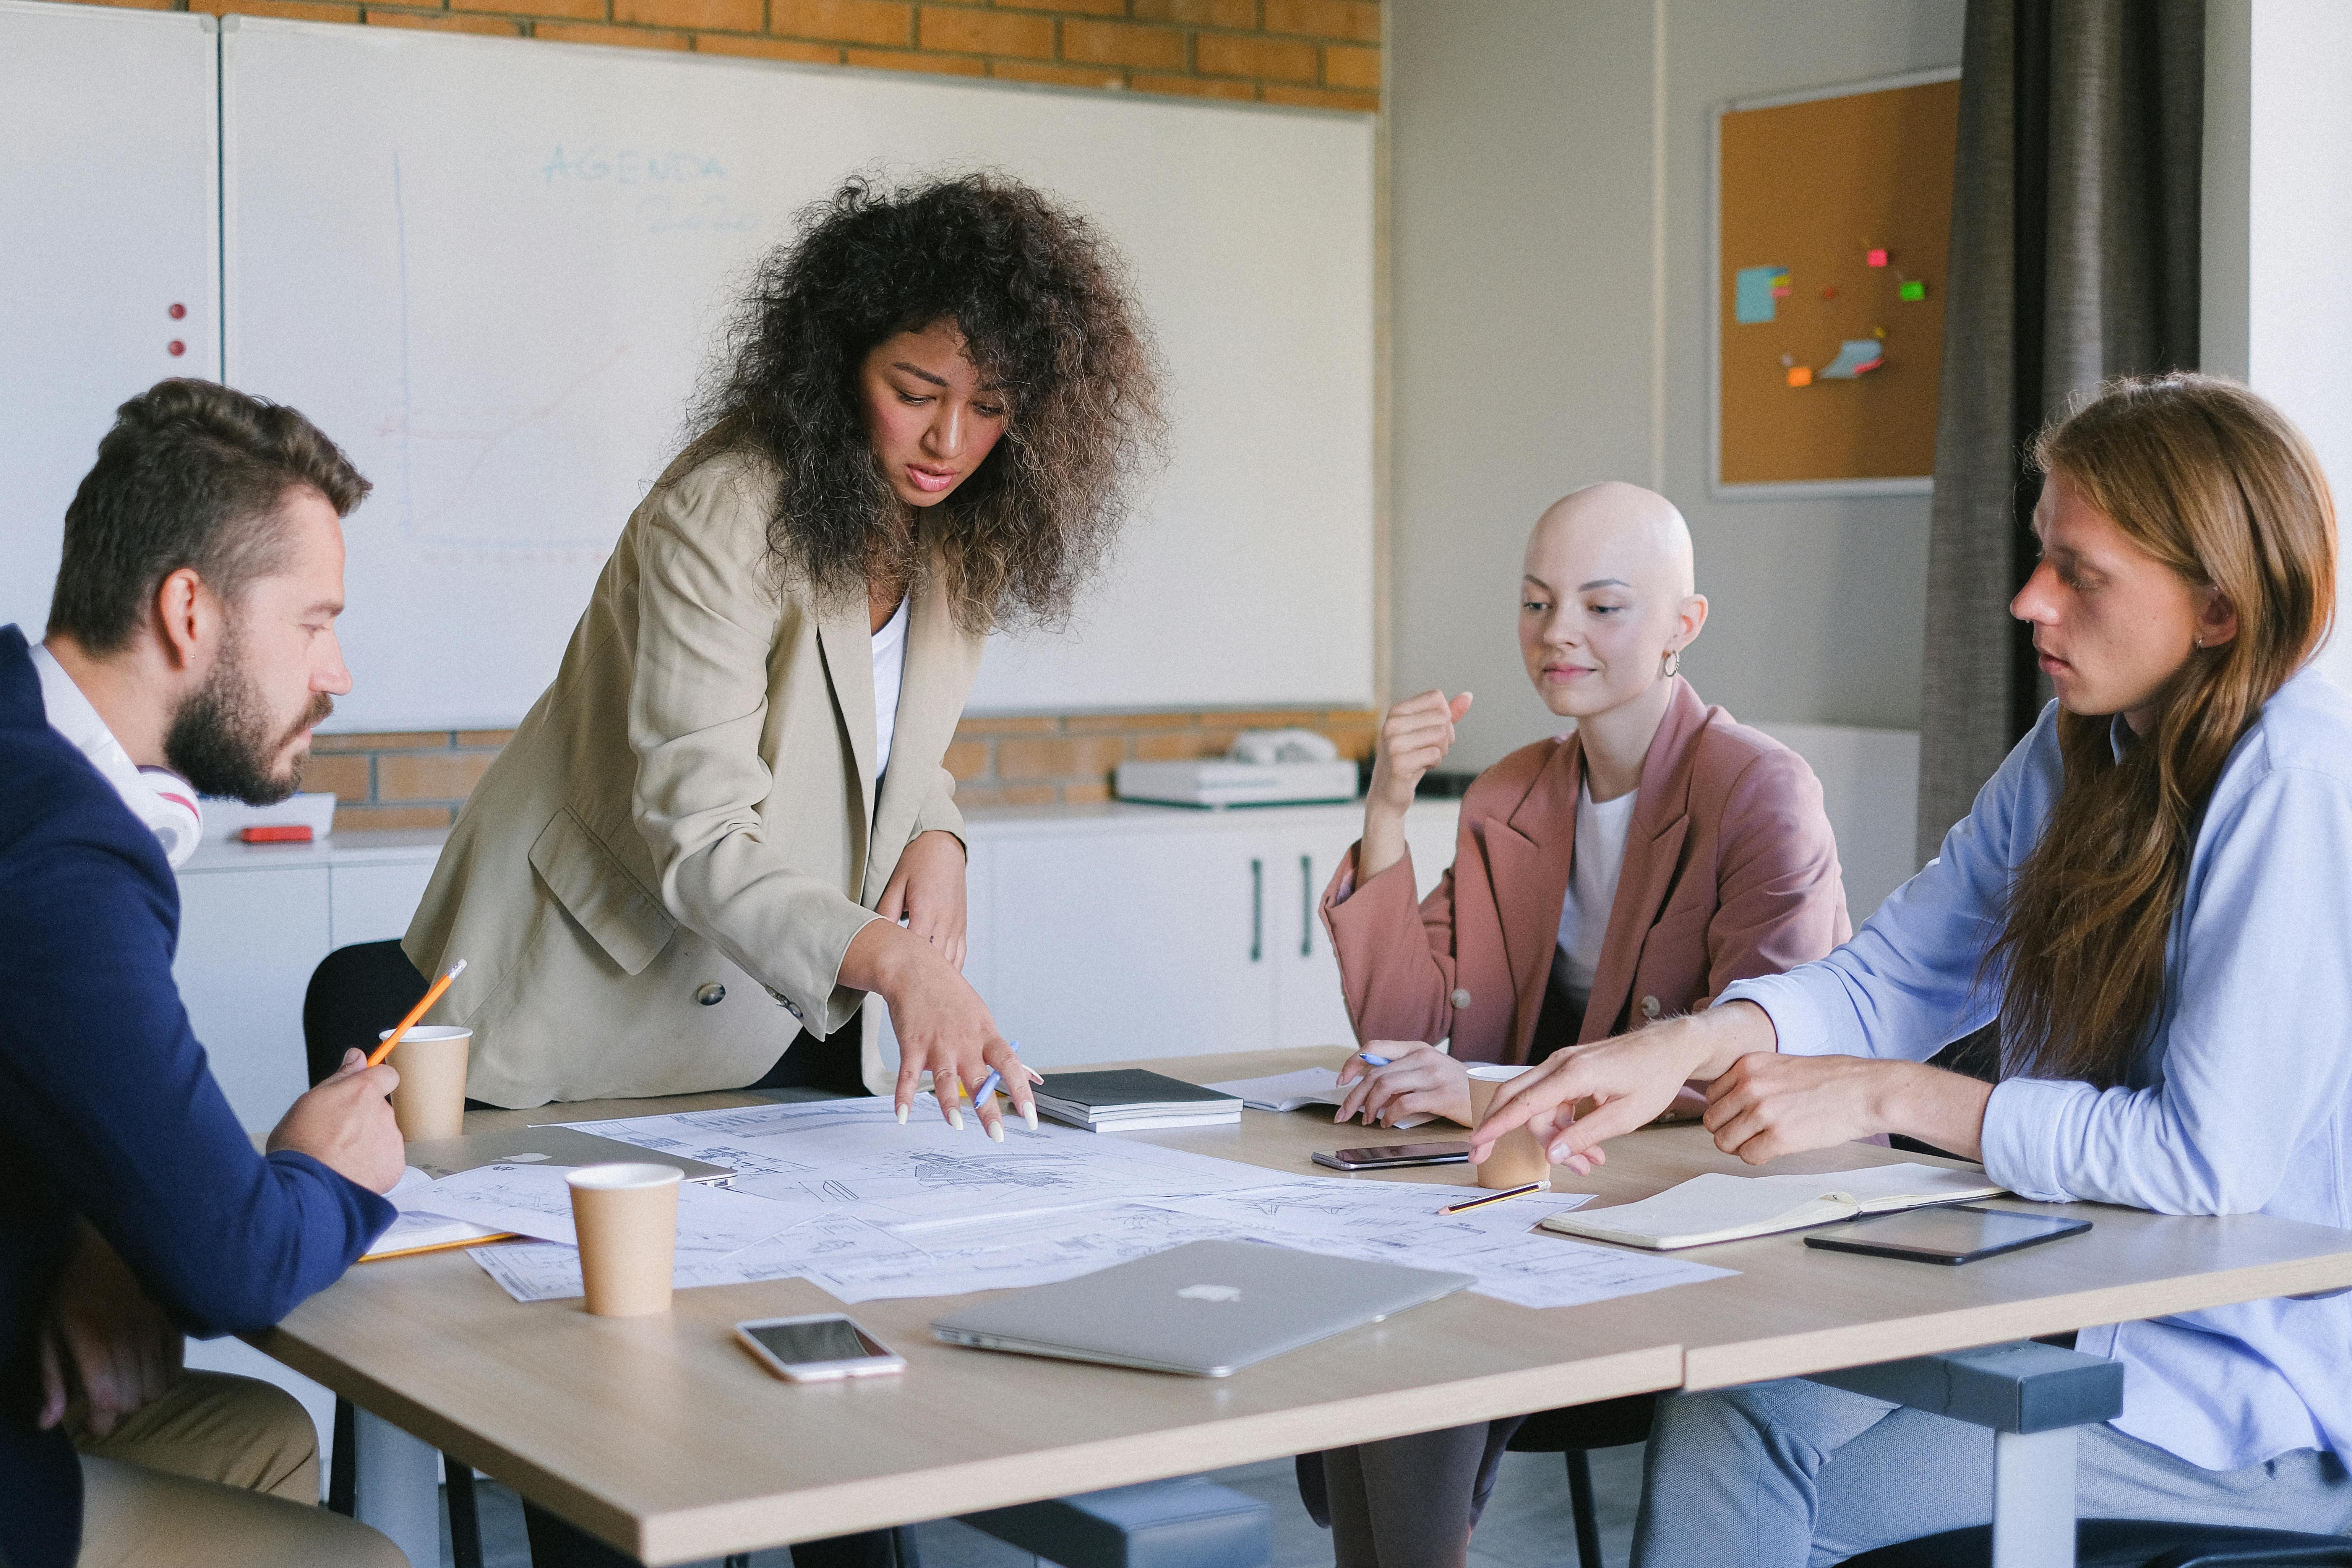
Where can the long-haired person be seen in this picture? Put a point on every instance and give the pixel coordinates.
(2151, 896)
(726, 823)
(1646, 860)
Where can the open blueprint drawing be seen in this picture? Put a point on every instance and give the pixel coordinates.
(852, 1155)
(839, 1193)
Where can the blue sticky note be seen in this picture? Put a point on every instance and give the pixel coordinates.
(1857, 357)
(1751, 296)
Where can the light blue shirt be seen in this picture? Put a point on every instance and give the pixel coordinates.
(2242, 1100)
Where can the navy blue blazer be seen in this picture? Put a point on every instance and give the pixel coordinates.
(107, 1109)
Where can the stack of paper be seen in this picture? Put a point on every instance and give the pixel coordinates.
(1132, 1100)
(1291, 1090)
(1715, 1208)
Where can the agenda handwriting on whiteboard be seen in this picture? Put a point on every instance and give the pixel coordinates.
(631, 166)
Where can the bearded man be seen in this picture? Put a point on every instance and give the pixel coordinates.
(191, 649)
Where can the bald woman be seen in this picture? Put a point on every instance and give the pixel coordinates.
(1619, 874)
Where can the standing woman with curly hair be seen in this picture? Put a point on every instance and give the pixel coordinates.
(726, 823)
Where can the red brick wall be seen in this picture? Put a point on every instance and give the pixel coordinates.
(1323, 54)
(420, 779)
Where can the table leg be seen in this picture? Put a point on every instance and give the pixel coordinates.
(2033, 1499)
(399, 1487)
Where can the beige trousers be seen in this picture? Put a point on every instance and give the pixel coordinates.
(221, 1472)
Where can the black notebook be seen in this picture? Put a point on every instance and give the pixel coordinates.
(1132, 1099)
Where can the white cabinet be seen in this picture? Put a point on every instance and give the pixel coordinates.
(1129, 944)
(255, 921)
(1104, 932)
(248, 942)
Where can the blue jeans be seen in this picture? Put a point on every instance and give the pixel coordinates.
(1793, 1473)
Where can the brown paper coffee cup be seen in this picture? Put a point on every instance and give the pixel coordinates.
(628, 1219)
(431, 1100)
(1518, 1158)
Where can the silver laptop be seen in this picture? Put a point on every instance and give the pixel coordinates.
(1206, 1308)
(441, 1157)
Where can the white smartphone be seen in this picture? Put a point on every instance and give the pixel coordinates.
(818, 1348)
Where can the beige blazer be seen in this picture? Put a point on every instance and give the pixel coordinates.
(654, 885)
(1730, 871)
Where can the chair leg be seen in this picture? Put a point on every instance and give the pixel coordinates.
(342, 1467)
(465, 1519)
(1579, 1501)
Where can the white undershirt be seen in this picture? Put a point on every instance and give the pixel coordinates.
(1600, 831)
(889, 670)
(156, 797)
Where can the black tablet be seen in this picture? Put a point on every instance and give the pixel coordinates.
(1953, 1233)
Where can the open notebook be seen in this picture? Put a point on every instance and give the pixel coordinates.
(417, 1230)
(1715, 1208)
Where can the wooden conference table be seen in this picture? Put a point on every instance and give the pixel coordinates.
(659, 1435)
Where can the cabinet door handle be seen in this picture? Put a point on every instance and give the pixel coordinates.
(1257, 909)
(1307, 906)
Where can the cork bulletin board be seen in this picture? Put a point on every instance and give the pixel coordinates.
(1833, 215)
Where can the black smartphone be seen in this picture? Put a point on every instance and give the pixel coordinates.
(1388, 1156)
(1950, 1234)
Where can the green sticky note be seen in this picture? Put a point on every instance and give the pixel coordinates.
(1915, 289)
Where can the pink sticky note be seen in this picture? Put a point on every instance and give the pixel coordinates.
(1874, 258)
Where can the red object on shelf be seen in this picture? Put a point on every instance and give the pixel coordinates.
(175, 348)
(284, 833)
(178, 311)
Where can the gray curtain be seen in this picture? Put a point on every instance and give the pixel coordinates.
(2074, 239)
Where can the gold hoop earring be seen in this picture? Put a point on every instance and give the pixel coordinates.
(1673, 663)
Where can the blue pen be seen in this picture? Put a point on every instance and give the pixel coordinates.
(1370, 1060)
(988, 1085)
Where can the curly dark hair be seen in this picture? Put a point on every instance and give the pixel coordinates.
(1046, 314)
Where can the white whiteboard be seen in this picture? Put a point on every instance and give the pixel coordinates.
(493, 271)
(108, 216)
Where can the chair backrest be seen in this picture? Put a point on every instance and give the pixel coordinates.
(355, 993)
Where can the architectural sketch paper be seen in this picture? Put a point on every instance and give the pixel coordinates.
(532, 1200)
(550, 1271)
(1398, 1221)
(1043, 1251)
(852, 1155)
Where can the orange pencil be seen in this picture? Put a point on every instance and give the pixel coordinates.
(375, 1059)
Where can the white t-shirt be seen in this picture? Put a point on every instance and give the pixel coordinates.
(1601, 832)
(156, 797)
(889, 670)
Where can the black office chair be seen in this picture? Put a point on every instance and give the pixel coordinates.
(1573, 1432)
(356, 994)
(1576, 1432)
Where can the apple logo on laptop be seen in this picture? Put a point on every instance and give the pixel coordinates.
(1211, 1293)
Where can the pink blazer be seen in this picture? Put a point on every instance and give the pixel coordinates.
(1730, 871)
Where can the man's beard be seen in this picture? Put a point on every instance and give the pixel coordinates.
(223, 737)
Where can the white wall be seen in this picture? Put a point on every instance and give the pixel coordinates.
(1550, 303)
(2277, 274)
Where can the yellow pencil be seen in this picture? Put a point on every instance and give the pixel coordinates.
(1517, 1192)
(376, 1058)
